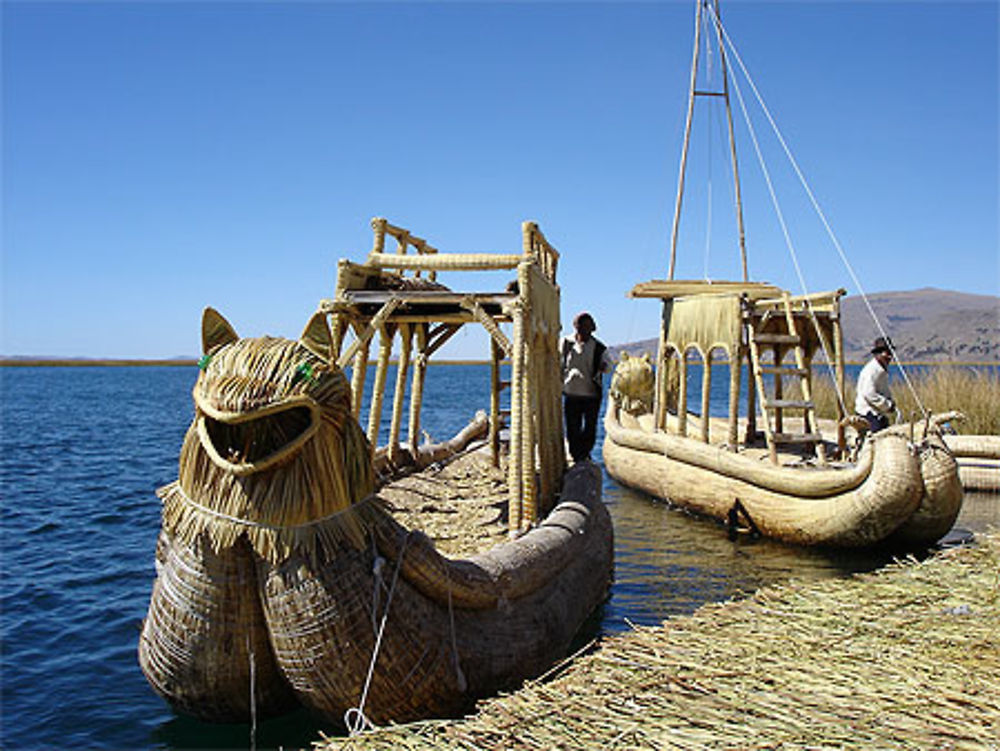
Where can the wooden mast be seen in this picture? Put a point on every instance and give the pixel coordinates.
(713, 6)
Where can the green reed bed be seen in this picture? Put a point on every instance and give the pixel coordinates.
(972, 390)
(904, 658)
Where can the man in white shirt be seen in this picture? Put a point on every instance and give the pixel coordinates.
(584, 361)
(873, 401)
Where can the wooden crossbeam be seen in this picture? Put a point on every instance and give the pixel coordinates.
(377, 320)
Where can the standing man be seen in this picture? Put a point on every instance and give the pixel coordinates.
(584, 361)
(873, 401)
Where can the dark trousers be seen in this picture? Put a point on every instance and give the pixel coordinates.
(581, 424)
(876, 422)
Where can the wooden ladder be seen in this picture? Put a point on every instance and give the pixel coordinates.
(772, 406)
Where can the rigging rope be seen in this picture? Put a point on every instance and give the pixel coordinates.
(787, 235)
(816, 206)
(355, 718)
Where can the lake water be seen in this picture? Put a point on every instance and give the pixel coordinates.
(83, 448)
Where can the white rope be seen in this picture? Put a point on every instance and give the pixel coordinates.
(459, 675)
(816, 206)
(354, 718)
(784, 229)
(260, 525)
(253, 698)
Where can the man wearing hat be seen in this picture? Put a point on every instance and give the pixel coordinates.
(584, 360)
(873, 401)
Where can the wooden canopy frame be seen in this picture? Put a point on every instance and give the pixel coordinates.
(396, 294)
(757, 325)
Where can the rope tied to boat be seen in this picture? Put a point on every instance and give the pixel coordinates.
(354, 718)
(459, 675)
(182, 494)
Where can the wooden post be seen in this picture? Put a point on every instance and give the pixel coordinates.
(735, 364)
(753, 378)
(529, 400)
(838, 357)
(662, 380)
(417, 386)
(706, 394)
(682, 394)
(779, 392)
(405, 343)
(360, 369)
(495, 357)
(516, 427)
(687, 141)
(378, 389)
(732, 141)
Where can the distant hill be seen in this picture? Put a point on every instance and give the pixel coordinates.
(925, 325)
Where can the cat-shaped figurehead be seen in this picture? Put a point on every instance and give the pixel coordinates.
(274, 451)
(633, 383)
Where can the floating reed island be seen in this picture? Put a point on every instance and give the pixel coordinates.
(301, 564)
(904, 658)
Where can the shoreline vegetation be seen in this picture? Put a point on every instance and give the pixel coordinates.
(973, 392)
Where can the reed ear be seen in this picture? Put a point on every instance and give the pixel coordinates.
(316, 337)
(215, 331)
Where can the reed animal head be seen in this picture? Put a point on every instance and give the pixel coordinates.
(274, 451)
(632, 384)
(260, 401)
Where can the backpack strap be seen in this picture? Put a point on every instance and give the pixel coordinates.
(599, 350)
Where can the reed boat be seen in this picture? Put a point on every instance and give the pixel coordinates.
(978, 458)
(294, 564)
(787, 475)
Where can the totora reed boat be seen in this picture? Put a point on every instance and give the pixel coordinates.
(291, 566)
(978, 459)
(790, 476)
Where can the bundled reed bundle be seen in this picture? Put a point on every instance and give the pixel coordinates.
(272, 464)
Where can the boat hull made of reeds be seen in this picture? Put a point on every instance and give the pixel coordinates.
(895, 490)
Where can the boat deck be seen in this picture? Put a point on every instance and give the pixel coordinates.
(461, 504)
(906, 657)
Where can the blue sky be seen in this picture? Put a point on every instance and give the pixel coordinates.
(161, 157)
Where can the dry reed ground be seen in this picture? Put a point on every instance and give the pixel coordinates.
(904, 658)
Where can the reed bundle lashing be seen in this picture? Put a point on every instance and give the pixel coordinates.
(906, 657)
(391, 295)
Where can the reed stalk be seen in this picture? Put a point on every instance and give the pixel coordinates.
(973, 391)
